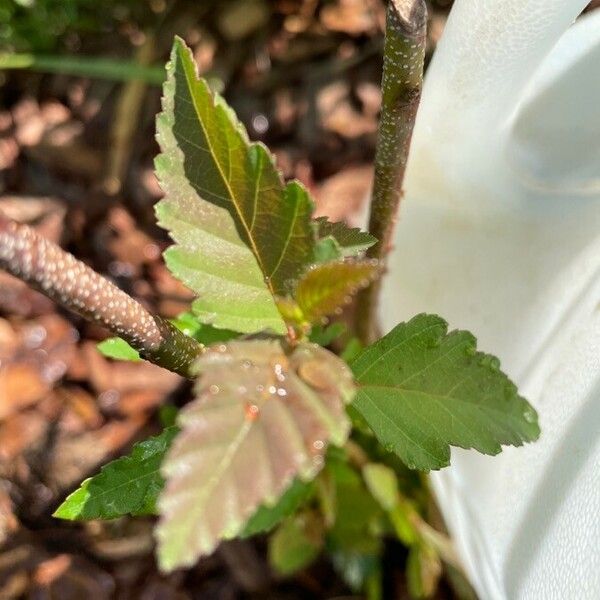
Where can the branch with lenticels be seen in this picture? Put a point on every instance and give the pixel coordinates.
(72, 284)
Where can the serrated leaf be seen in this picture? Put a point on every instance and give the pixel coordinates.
(327, 249)
(349, 241)
(266, 517)
(423, 390)
(261, 418)
(242, 236)
(128, 485)
(325, 288)
(118, 349)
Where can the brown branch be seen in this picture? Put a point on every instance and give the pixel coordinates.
(72, 284)
(401, 84)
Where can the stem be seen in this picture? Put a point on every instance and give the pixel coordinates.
(125, 120)
(88, 66)
(403, 57)
(72, 284)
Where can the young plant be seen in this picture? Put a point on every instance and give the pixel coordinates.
(281, 431)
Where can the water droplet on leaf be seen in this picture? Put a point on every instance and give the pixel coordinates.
(529, 416)
(251, 411)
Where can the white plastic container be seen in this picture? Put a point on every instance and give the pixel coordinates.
(499, 233)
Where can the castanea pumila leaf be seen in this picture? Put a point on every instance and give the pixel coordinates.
(262, 417)
(422, 390)
(128, 485)
(338, 240)
(325, 288)
(242, 236)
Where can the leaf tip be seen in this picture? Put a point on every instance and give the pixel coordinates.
(71, 507)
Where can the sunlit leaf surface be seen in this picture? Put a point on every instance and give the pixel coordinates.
(261, 418)
(423, 390)
(128, 485)
(326, 288)
(242, 236)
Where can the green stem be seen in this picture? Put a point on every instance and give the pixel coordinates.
(101, 68)
(403, 57)
(69, 282)
(126, 120)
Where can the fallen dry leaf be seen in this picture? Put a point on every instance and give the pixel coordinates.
(8, 521)
(30, 368)
(339, 116)
(122, 377)
(343, 196)
(76, 456)
(21, 432)
(354, 17)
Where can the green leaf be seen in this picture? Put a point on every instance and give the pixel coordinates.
(360, 571)
(423, 390)
(186, 322)
(242, 236)
(353, 348)
(325, 288)
(358, 518)
(327, 249)
(296, 544)
(325, 335)
(118, 349)
(128, 485)
(265, 518)
(261, 418)
(347, 241)
(167, 414)
(382, 482)
(206, 334)
(423, 571)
